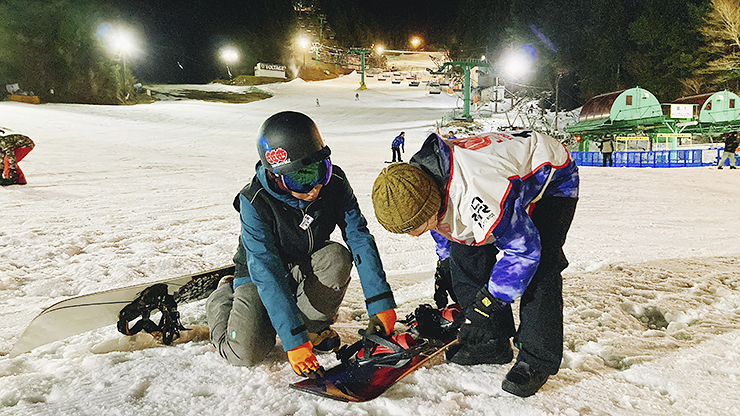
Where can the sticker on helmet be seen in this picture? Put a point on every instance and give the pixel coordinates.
(277, 157)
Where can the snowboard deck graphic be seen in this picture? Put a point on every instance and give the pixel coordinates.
(96, 310)
(354, 381)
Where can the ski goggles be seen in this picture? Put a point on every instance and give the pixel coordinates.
(308, 177)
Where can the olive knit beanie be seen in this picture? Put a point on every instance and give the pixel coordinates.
(404, 198)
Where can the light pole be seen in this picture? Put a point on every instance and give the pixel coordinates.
(229, 55)
(517, 63)
(123, 45)
(304, 44)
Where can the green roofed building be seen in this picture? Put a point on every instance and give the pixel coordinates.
(637, 114)
(621, 112)
(715, 112)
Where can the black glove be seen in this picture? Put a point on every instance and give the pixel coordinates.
(479, 312)
(443, 283)
(481, 328)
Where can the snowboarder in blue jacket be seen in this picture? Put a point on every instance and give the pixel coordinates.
(290, 278)
(397, 146)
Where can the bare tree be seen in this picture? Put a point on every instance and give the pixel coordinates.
(694, 85)
(722, 36)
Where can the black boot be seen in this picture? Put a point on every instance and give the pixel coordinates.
(478, 346)
(523, 381)
(10, 180)
(492, 352)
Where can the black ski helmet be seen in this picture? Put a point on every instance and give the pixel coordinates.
(288, 141)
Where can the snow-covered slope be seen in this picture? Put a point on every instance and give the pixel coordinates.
(119, 195)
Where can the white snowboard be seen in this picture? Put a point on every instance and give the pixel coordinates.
(96, 310)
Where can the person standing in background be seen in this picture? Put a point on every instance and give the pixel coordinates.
(397, 146)
(607, 148)
(729, 152)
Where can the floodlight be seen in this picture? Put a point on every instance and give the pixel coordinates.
(229, 54)
(517, 63)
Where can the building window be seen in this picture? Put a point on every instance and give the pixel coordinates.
(708, 106)
(732, 103)
(629, 100)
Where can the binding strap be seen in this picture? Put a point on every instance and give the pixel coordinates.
(155, 297)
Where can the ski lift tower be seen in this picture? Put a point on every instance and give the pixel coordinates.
(466, 65)
(362, 52)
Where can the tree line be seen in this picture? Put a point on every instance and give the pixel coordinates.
(49, 49)
(673, 48)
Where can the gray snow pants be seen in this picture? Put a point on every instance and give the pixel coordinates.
(240, 327)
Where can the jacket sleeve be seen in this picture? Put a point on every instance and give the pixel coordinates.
(441, 245)
(377, 291)
(267, 272)
(521, 247)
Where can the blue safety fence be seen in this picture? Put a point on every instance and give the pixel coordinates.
(654, 159)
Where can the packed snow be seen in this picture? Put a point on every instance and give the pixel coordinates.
(120, 195)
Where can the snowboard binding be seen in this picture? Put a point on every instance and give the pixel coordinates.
(440, 324)
(153, 298)
(427, 326)
(370, 366)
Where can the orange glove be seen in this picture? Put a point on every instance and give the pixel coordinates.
(303, 361)
(382, 322)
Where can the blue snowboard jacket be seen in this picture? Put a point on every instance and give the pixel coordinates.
(399, 142)
(274, 237)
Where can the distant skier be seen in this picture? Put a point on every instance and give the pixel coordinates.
(290, 278)
(317, 103)
(515, 192)
(13, 148)
(397, 146)
(729, 152)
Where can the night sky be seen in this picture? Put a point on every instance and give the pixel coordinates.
(180, 38)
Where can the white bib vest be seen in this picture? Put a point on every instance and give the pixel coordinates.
(480, 173)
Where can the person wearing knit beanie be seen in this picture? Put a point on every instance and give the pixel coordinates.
(404, 198)
(499, 206)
